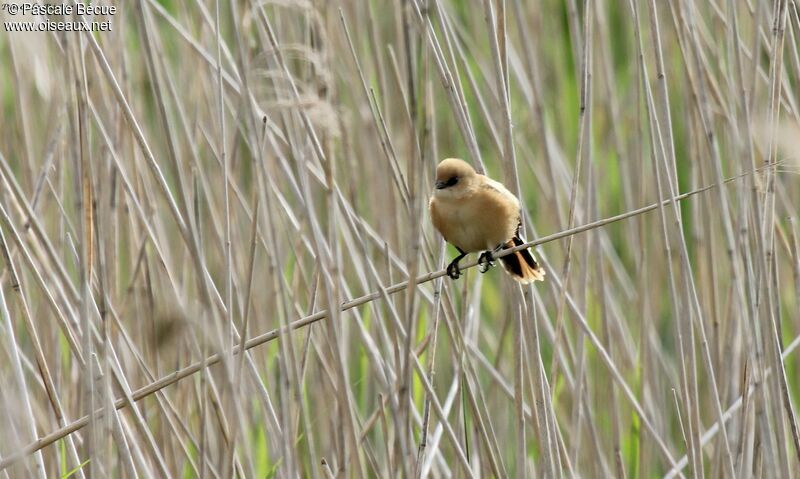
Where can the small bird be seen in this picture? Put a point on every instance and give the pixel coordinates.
(475, 213)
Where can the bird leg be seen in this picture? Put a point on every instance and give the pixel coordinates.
(485, 261)
(452, 269)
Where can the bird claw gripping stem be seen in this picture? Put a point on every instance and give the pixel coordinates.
(485, 261)
(453, 270)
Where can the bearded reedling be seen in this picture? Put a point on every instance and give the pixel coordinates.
(475, 213)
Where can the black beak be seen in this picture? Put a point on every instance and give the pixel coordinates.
(440, 185)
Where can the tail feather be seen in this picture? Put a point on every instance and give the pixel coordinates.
(521, 265)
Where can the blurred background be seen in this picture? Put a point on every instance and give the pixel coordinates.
(213, 176)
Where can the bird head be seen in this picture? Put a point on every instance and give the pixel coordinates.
(453, 176)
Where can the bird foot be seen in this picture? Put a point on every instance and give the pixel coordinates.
(453, 270)
(485, 261)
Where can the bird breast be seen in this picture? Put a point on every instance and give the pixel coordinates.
(481, 219)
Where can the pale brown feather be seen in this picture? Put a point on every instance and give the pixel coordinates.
(481, 218)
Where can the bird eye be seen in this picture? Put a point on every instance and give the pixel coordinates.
(446, 184)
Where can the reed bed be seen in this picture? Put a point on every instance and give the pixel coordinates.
(217, 259)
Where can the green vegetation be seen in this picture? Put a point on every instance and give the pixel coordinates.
(173, 192)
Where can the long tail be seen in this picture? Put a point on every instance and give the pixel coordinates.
(522, 266)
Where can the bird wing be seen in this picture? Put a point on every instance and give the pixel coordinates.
(495, 187)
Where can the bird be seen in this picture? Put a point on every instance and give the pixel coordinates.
(476, 213)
